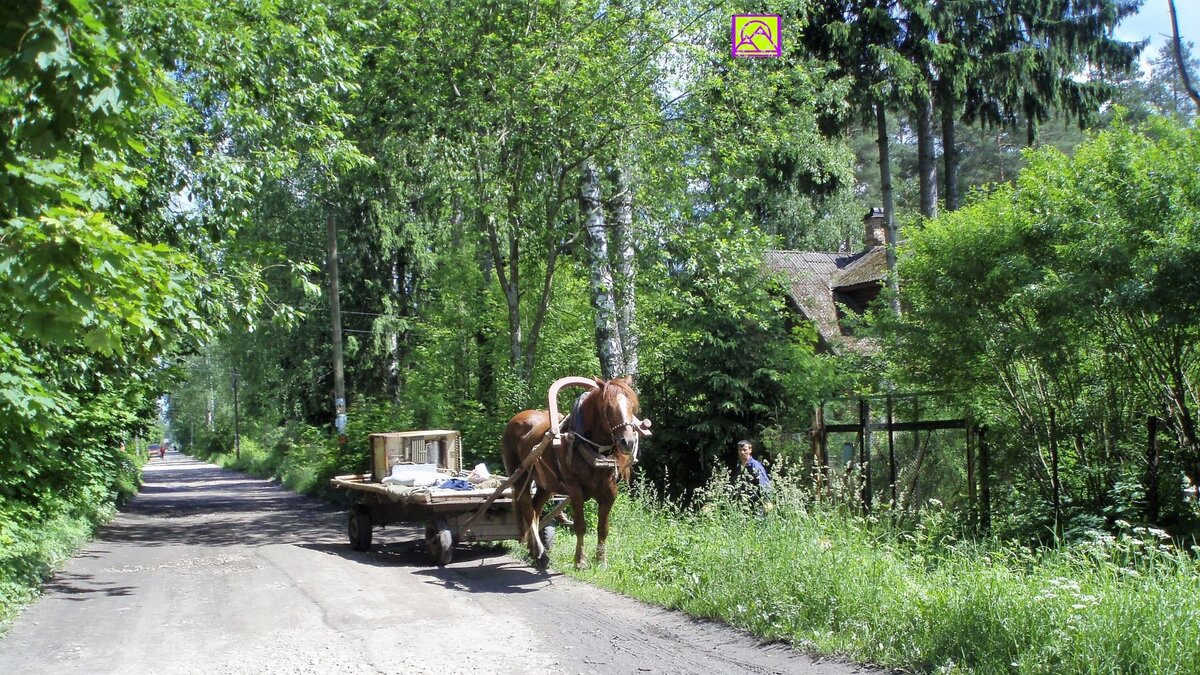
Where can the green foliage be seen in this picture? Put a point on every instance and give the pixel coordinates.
(35, 538)
(1069, 297)
(761, 130)
(135, 138)
(822, 580)
(726, 362)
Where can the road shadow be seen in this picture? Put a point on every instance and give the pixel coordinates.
(474, 568)
(501, 577)
(185, 501)
(77, 587)
(410, 553)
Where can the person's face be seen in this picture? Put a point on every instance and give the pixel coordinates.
(744, 453)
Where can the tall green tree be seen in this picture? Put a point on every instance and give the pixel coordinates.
(1069, 302)
(90, 306)
(1164, 88)
(762, 138)
(729, 360)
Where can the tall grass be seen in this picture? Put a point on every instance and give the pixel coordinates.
(836, 583)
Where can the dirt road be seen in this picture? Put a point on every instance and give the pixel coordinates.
(209, 571)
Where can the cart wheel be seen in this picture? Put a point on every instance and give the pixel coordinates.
(359, 528)
(543, 560)
(439, 542)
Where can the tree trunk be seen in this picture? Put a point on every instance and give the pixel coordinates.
(950, 153)
(394, 356)
(926, 158)
(335, 317)
(889, 206)
(553, 249)
(486, 386)
(608, 341)
(626, 273)
(508, 274)
(1183, 73)
(540, 319)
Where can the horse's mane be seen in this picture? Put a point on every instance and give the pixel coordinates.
(608, 393)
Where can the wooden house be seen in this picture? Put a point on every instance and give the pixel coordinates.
(828, 289)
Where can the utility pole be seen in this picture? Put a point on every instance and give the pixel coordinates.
(237, 434)
(335, 317)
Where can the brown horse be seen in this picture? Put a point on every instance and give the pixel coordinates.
(599, 450)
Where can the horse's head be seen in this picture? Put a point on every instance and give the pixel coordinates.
(611, 412)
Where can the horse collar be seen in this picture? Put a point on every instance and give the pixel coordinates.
(577, 424)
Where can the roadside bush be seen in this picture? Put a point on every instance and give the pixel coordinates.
(36, 540)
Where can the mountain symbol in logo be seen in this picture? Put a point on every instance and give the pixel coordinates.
(756, 36)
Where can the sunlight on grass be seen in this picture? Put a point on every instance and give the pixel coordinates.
(837, 583)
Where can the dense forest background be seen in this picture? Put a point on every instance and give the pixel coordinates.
(519, 191)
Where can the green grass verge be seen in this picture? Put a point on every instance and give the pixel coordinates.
(36, 541)
(31, 550)
(836, 584)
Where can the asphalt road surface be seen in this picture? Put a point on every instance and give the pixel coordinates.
(210, 571)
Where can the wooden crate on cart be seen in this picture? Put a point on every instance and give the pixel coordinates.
(451, 516)
(437, 446)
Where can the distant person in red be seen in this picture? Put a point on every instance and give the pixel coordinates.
(162, 449)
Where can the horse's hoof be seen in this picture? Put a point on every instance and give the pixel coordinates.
(543, 561)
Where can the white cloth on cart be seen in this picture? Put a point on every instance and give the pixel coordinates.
(414, 475)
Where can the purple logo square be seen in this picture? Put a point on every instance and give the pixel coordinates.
(757, 36)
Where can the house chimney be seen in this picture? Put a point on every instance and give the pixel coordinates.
(874, 230)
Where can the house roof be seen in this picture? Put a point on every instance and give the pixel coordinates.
(814, 277)
(865, 267)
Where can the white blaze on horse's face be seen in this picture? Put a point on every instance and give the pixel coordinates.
(627, 440)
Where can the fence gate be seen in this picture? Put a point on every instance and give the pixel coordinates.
(907, 459)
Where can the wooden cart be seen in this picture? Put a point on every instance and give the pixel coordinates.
(450, 516)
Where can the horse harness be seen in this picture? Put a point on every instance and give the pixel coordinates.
(599, 456)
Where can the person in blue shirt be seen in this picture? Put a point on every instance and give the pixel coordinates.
(752, 477)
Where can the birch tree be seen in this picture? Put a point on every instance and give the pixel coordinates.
(626, 270)
(608, 338)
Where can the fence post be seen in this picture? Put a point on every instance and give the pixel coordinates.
(864, 457)
(820, 452)
(1054, 469)
(971, 506)
(891, 451)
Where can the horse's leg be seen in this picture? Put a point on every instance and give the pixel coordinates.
(605, 501)
(580, 527)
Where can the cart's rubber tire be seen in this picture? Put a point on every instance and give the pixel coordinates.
(547, 535)
(358, 526)
(439, 542)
